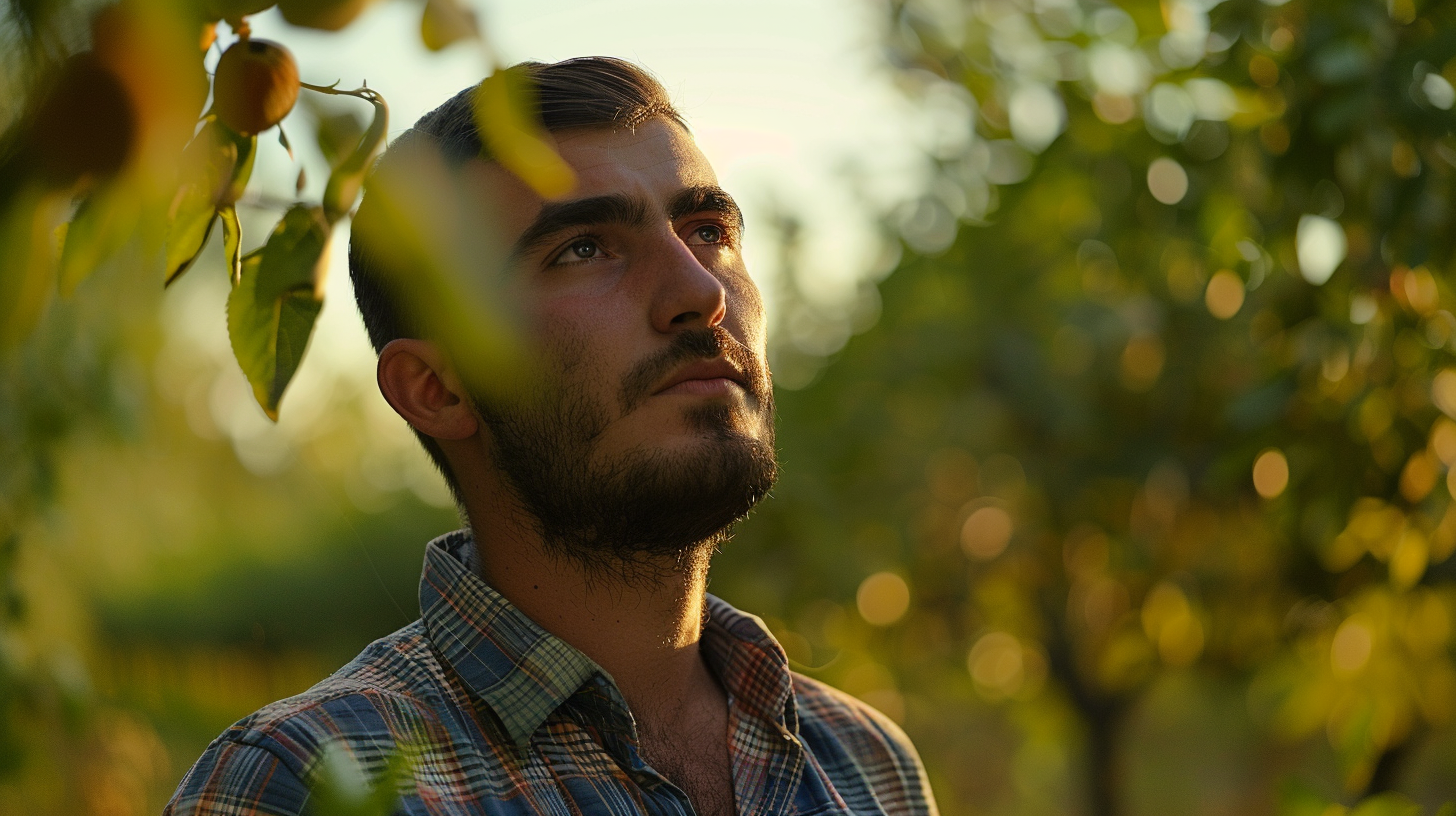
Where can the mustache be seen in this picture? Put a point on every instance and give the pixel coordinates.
(693, 344)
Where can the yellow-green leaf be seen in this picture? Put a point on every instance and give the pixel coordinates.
(242, 169)
(1387, 804)
(105, 222)
(347, 178)
(232, 242)
(28, 262)
(446, 22)
(273, 307)
(427, 224)
(215, 170)
(341, 786)
(512, 135)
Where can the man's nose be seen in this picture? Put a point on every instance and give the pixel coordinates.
(688, 294)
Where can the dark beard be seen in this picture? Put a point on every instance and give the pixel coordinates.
(644, 511)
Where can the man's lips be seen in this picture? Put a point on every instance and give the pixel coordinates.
(704, 377)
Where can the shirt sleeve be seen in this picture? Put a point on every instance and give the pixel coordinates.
(237, 779)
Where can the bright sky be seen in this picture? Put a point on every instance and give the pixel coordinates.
(782, 95)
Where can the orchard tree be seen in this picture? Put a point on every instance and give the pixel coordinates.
(1163, 388)
(130, 135)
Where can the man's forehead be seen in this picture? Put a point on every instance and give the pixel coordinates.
(654, 161)
(655, 153)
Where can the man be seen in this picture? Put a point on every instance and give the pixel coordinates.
(568, 659)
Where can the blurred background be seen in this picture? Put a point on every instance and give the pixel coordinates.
(1113, 343)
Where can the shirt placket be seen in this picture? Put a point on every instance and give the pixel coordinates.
(767, 760)
(602, 709)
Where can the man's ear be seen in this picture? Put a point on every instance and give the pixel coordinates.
(421, 385)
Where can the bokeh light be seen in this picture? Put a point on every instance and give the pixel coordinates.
(1224, 295)
(882, 598)
(1167, 180)
(986, 532)
(1271, 473)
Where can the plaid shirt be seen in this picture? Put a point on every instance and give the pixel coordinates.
(499, 717)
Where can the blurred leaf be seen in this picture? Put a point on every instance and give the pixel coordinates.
(1298, 799)
(29, 260)
(1387, 804)
(272, 309)
(103, 224)
(426, 223)
(446, 22)
(346, 180)
(337, 132)
(341, 787)
(283, 140)
(515, 140)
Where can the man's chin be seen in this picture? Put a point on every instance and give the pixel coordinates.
(672, 500)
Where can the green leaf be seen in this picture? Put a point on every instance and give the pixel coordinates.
(446, 22)
(342, 787)
(272, 309)
(427, 226)
(504, 114)
(337, 131)
(243, 169)
(1298, 799)
(216, 166)
(28, 228)
(347, 179)
(104, 223)
(1387, 804)
(232, 243)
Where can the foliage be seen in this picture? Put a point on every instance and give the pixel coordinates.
(1175, 407)
(115, 168)
(1132, 501)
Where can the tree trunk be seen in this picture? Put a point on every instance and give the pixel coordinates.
(1389, 767)
(1102, 714)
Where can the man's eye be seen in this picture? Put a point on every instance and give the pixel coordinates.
(584, 249)
(706, 234)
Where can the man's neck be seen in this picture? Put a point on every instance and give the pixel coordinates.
(642, 625)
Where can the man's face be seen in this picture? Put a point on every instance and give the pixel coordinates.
(653, 427)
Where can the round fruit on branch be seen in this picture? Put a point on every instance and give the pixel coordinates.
(255, 85)
(328, 15)
(85, 124)
(214, 10)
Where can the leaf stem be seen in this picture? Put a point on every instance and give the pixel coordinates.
(366, 93)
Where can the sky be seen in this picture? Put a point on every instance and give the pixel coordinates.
(782, 96)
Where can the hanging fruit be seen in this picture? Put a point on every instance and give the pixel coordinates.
(255, 85)
(328, 15)
(85, 124)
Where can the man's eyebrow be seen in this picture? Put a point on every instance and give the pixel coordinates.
(556, 217)
(706, 198)
(625, 210)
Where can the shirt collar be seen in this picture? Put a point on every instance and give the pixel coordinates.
(749, 663)
(521, 671)
(524, 673)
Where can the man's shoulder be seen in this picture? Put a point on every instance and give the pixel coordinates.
(392, 693)
(852, 739)
(390, 687)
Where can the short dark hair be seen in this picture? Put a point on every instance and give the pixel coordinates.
(586, 92)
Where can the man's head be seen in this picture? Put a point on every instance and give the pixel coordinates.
(650, 429)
